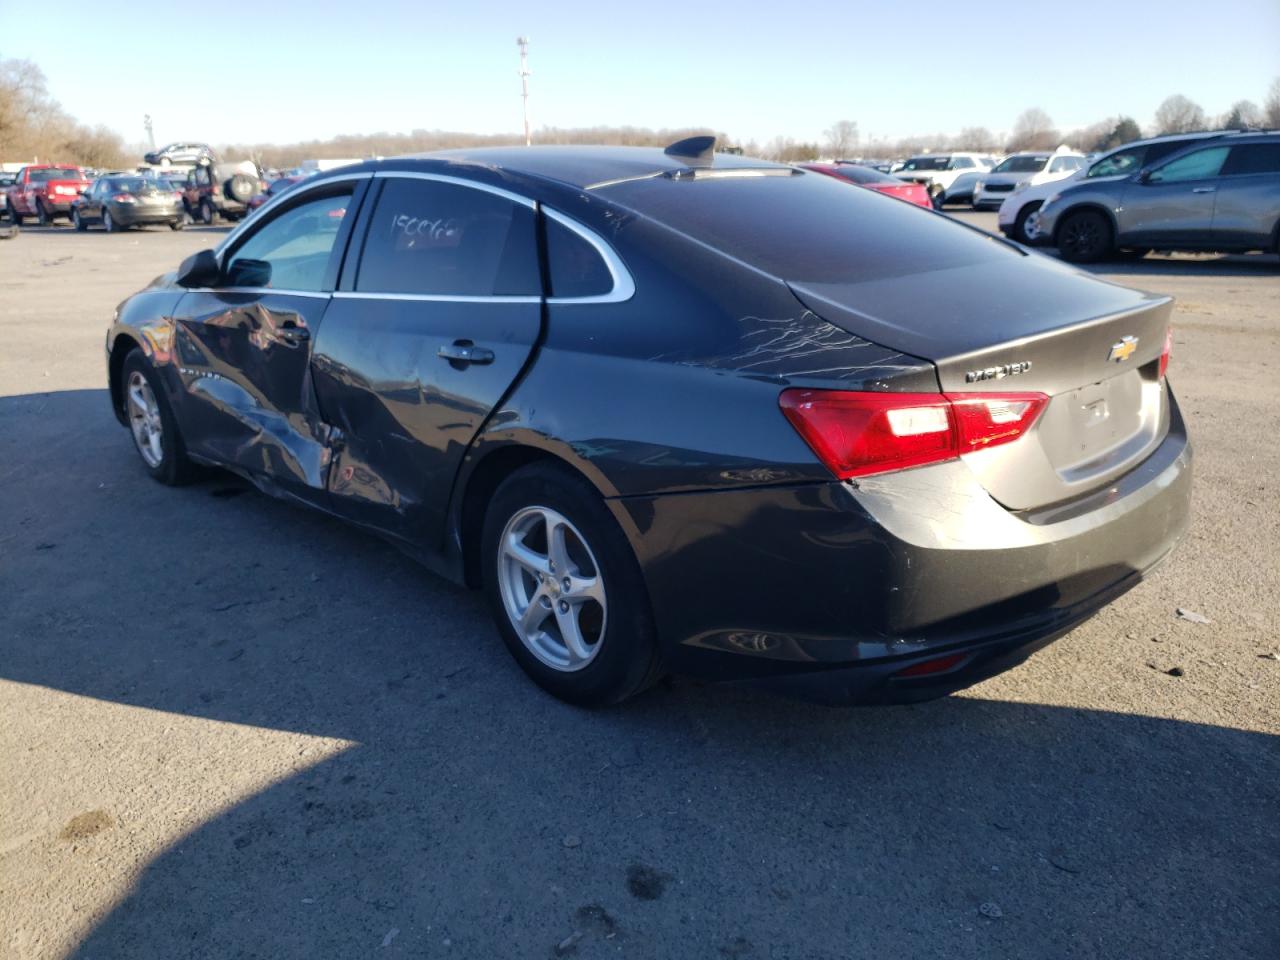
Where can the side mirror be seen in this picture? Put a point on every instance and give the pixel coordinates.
(249, 273)
(199, 270)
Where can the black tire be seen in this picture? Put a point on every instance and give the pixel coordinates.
(77, 222)
(108, 222)
(14, 216)
(627, 660)
(1085, 237)
(174, 468)
(42, 215)
(936, 194)
(1020, 222)
(177, 224)
(207, 213)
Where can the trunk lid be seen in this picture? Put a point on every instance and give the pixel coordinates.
(1012, 326)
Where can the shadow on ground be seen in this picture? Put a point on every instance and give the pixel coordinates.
(712, 822)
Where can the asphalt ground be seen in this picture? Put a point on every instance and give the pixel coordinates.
(230, 728)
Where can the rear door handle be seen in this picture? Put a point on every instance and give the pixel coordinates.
(1203, 189)
(463, 352)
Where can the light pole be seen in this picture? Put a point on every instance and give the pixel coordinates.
(151, 135)
(523, 44)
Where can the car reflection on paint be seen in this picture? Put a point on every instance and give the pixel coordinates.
(662, 438)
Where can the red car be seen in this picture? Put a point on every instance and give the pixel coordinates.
(915, 193)
(45, 191)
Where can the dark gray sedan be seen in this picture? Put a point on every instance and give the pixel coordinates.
(679, 412)
(1222, 195)
(122, 202)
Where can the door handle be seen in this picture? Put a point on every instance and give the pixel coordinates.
(292, 333)
(1203, 189)
(460, 353)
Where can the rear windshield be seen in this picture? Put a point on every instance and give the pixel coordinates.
(46, 174)
(927, 163)
(132, 184)
(808, 227)
(860, 174)
(1022, 165)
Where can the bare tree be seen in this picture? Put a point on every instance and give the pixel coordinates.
(976, 139)
(1271, 106)
(841, 138)
(1179, 115)
(1033, 130)
(33, 124)
(1243, 113)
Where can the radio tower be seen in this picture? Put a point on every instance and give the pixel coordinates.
(523, 44)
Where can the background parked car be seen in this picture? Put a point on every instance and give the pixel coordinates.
(183, 154)
(278, 185)
(1019, 213)
(119, 203)
(940, 171)
(1024, 170)
(1221, 195)
(874, 180)
(44, 191)
(223, 190)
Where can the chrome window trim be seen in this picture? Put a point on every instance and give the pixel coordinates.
(431, 297)
(291, 195)
(313, 294)
(457, 182)
(624, 287)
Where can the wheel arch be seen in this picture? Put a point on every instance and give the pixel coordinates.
(1087, 205)
(123, 345)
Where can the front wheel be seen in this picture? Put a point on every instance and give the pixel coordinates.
(1084, 237)
(151, 421)
(1020, 222)
(78, 222)
(566, 590)
(206, 213)
(42, 215)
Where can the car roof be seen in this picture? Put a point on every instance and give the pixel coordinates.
(580, 166)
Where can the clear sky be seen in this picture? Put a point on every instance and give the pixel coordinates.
(290, 70)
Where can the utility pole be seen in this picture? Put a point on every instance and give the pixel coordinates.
(523, 44)
(151, 135)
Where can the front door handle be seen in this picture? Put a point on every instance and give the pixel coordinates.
(460, 353)
(1203, 189)
(291, 332)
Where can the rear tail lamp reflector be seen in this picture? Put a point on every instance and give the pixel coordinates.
(1166, 353)
(856, 433)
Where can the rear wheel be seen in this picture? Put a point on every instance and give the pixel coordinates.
(151, 421)
(109, 222)
(566, 590)
(1084, 237)
(78, 222)
(42, 214)
(206, 213)
(14, 215)
(1020, 222)
(936, 195)
(177, 224)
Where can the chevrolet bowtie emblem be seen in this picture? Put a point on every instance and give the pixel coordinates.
(1123, 350)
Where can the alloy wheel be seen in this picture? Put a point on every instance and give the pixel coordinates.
(144, 419)
(552, 588)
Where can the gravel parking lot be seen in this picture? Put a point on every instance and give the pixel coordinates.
(230, 728)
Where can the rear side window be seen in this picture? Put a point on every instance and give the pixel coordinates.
(809, 228)
(1253, 158)
(1194, 166)
(574, 266)
(441, 239)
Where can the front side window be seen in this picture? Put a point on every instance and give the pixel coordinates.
(431, 238)
(1194, 166)
(292, 250)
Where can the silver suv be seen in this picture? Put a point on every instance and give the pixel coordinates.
(1222, 195)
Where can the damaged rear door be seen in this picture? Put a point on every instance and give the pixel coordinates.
(435, 317)
(244, 345)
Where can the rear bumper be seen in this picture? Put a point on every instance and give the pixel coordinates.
(827, 591)
(128, 215)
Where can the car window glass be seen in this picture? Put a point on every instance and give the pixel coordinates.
(1194, 166)
(296, 244)
(441, 239)
(1119, 163)
(574, 266)
(961, 163)
(1253, 158)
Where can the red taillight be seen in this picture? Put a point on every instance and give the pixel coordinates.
(855, 434)
(941, 665)
(124, 198)
(1166, 353)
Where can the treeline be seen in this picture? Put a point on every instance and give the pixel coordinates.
(34, 125)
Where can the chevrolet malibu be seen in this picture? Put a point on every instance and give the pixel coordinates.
(675, 411)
